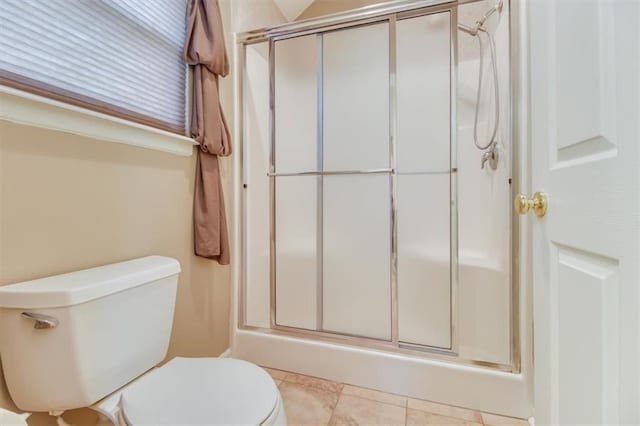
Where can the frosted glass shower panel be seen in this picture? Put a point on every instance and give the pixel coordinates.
(296, 104)
(356, 98)
(296, 251)
(256, 128)
(424, 84)
(357, 253)
(424, 260)
(424, 93)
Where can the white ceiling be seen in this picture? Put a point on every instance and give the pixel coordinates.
(291, 9)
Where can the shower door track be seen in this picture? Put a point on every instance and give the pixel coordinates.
(377, 344)
(361, 16)
(352, 19)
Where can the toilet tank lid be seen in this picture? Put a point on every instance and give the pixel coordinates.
(82, 286)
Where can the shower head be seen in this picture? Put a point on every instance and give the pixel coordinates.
(496, 8)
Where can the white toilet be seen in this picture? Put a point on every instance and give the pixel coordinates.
(92, 339)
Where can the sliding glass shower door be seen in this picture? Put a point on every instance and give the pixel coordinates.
(333, 182)
(357, 204)
(425, 186)
(361, 183)
(297, 195)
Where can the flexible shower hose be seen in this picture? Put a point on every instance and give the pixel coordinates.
(492, 48)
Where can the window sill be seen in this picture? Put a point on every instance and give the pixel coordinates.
(25, 108)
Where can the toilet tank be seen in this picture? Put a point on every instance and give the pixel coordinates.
(102, 327)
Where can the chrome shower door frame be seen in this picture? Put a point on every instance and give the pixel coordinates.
(389, 13)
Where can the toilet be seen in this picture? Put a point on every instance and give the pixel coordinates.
(94, 338)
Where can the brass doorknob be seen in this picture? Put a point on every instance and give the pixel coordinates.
(538, 203)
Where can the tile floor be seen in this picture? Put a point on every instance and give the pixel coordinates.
(313, 401)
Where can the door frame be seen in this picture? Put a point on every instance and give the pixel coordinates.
(521, 226)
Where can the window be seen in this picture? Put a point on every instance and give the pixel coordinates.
(120, 57)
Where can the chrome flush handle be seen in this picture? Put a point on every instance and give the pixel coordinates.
(41, 321)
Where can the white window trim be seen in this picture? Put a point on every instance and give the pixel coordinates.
(26, 108)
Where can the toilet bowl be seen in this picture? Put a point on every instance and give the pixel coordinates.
(197, 391)
(94, 338)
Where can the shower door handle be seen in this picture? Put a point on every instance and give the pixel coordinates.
(538, 203)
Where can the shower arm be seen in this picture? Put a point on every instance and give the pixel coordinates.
(479, 23)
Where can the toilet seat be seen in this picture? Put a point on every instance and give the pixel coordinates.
(202, 391)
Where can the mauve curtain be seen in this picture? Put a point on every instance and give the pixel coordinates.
(205, 50)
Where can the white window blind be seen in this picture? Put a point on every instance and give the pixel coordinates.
(122, 57)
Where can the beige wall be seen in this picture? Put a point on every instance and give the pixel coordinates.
(254, 14)
(68, 202)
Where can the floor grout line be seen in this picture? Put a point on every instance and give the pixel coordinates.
(375, 400)
(406, 410)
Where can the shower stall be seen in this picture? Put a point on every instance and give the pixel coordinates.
(368, 227)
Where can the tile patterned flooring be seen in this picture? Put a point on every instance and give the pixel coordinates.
(313, 401)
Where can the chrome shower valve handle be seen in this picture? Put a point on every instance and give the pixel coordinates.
(491, 156)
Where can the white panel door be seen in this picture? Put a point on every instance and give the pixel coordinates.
(584, 94)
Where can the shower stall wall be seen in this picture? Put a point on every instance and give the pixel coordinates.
(366, 220)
